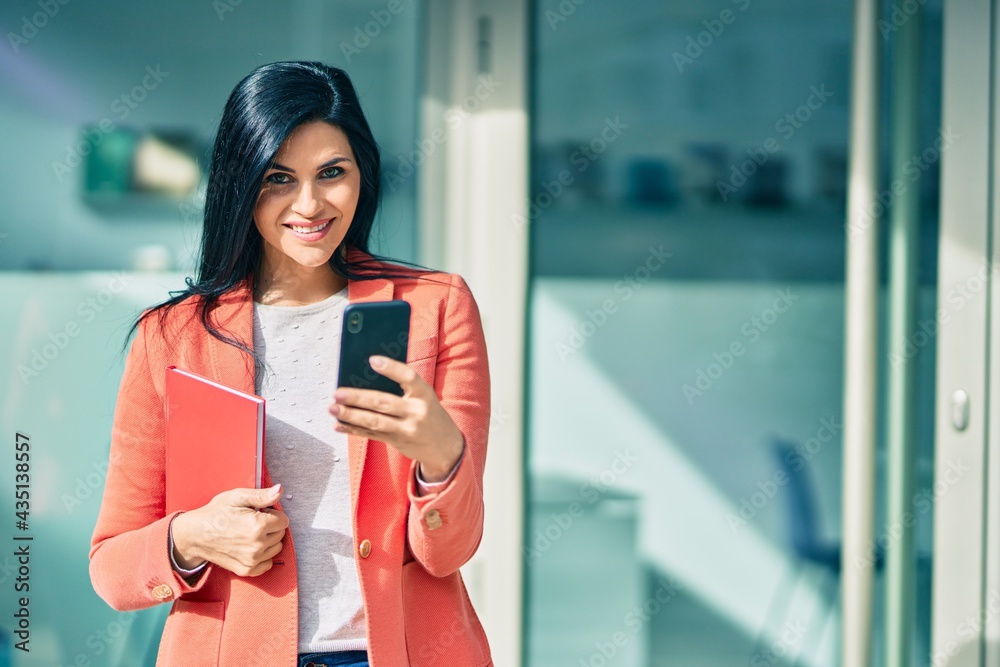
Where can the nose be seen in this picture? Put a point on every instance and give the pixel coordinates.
(307, 202)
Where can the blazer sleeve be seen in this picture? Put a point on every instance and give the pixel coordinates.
(445, 527)
(130, 563)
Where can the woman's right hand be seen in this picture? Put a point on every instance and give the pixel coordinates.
(230, 532)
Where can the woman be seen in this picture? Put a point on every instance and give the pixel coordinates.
(371, 502)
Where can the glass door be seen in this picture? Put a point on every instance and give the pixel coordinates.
(686, 338)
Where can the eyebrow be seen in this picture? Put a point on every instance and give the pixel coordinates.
(328, 163)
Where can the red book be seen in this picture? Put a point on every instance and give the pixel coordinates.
(215, 439)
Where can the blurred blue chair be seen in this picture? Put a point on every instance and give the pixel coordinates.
(809, 548)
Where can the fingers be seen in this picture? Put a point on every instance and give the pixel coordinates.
(262, 560)
(273, 550)
(254, 558)
(396, 370)
(249, 570)
(370, 399)
(273, 521)
(261, 498)
(259, 569)
(255, 498)
(231, 532)
(374, 422)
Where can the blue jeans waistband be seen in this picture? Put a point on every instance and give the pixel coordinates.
(340, 659)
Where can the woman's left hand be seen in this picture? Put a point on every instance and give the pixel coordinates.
(415, 423)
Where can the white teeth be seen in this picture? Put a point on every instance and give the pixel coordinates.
(310, 230)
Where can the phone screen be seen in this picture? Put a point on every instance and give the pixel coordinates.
(377, 327)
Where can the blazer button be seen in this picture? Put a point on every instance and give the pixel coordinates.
(365, 548)
(163, 592)
(434, 520)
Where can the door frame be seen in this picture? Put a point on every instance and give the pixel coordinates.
(966, 514)
(471, 189)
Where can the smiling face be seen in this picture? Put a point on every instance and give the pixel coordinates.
(307, 201)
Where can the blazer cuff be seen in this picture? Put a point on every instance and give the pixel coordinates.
(444, 493)
(423, 487)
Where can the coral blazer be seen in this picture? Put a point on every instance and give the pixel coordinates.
(408, 548)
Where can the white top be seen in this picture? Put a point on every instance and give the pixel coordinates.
(300, 346)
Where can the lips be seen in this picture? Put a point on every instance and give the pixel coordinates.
(310, 231)
(307, 228)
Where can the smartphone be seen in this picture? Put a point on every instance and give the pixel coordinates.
(376, 327)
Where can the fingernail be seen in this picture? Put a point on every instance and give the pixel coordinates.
(377, 361)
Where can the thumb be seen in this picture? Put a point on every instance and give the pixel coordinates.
(256, 498)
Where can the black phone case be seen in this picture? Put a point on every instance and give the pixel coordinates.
(378, 327)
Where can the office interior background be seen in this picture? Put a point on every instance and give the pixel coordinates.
(650, 200)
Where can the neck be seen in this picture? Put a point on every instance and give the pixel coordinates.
(296, 285)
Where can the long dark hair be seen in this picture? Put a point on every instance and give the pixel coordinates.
(261, 112)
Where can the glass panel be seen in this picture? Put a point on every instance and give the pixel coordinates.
(81, 87)
(686, 338)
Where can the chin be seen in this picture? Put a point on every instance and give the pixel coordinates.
(314, 263)
(306, 262)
